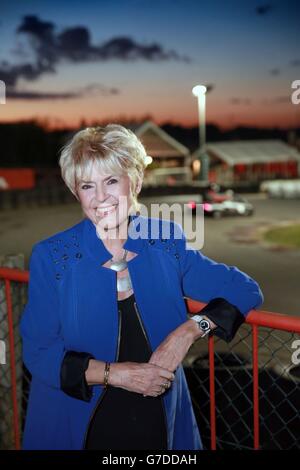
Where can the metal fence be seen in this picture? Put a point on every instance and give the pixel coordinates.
(245, 394)
(43, 195)
(13, 293)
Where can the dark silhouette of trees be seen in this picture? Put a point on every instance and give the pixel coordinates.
(29, 144)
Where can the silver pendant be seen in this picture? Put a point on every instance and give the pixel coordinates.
(119, 265)
(124, 284)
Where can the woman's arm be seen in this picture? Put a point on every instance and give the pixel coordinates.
(43, 345)
(94, 374)
(230, 294)
(172, 351)
(141, 378)
(80, 371)
(204, 279)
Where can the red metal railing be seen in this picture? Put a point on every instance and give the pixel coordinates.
(255, 318)
(16, 275)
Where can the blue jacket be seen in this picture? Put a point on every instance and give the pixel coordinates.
(72, 305)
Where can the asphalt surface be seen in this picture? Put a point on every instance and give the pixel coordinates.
(276, 270)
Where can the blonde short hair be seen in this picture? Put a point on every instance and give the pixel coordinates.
(114, 148)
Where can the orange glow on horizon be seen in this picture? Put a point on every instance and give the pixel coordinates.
(52, 125)
(218, 116)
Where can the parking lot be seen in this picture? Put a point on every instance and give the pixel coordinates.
(277, 271)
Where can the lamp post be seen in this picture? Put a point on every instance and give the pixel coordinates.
(200, 92)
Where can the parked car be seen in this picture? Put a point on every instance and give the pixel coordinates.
(235, 206)
(286, 189)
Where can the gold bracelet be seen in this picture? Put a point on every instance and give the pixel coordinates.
(106, 374)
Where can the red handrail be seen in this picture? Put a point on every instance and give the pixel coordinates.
(277, 321)
(13, 274)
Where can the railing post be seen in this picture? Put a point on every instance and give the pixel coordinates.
(12, 364)
(255, 386)
(213, 442)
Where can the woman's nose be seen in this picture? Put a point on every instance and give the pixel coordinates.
(101, 193)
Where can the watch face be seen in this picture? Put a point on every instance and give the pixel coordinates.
(204, 325)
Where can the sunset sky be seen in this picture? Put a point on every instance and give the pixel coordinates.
(71, 60)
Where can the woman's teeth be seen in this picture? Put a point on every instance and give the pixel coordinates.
(106, 210)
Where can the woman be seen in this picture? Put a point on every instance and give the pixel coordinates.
(105, 329)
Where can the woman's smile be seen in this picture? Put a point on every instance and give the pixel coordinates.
(105, 211)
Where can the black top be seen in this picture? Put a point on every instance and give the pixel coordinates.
(225, 315)
(126, 420)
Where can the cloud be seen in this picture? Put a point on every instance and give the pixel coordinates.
(277, 100)
(275, 72)
(89, 90)
(42, 41)
(295, 63)
(72, 45)
(281, 99)
(95, 88)
(10, 74)
(240, 101)
(35, 95)
(264, 9)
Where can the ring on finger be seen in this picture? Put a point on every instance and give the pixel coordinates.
(166, 385)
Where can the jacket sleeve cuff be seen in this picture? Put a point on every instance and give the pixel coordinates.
(72, 375)
(225, 315)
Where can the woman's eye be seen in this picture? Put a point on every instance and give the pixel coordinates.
(85, 186)
(112, 181)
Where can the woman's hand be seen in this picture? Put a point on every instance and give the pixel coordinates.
(146, 379)
(171, 352)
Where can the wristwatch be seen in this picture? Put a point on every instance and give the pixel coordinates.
(203, 324)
